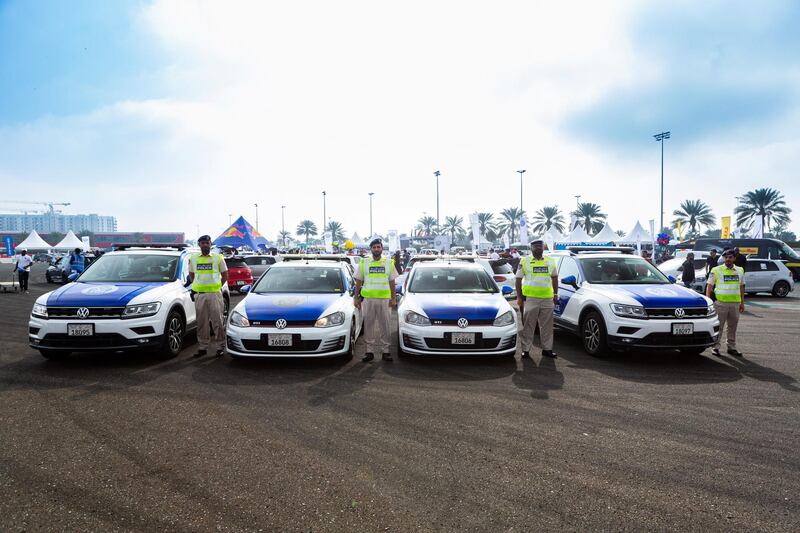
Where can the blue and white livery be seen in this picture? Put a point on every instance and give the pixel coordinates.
(613, 300)
(136, 297)
(298, 308)
(454, 307)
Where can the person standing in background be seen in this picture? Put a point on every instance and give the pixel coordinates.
(23, 269)
(687, 274)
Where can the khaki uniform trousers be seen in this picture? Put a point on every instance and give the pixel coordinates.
(376, 313)
(728, 313)
(537, 311)
(209, 307)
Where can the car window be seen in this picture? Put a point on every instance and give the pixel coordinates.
(629, 270)
(451, 279)
(312, 280)
(254, 261)
(772, 267)
(569, 268)
(501, 267)
(235, 262)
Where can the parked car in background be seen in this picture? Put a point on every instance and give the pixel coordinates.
(760, 276)
(58, 271)
(753, 248)
(260, 263)
(239, 273)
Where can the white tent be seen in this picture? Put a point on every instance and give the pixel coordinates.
(33, 242)
(605, 235)
(578, 236)
(637, 234)
(355, 238)
(70, 242)
(555, 234)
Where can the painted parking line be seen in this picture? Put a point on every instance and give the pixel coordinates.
(791, 306)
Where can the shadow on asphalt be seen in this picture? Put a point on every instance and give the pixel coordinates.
(266, 371)
(539, 379)
(450, 367)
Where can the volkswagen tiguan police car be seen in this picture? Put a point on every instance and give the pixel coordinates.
(612, 299)
(134, 297)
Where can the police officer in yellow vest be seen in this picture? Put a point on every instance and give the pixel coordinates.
(537, 294)
(208, 273)
(726, 281)
(375, 282)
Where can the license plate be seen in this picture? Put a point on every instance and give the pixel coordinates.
(682, 329)
(279, 340)
(240, 282)
(80, 330)
(462, 338)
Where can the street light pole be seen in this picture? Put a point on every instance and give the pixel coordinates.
(324, 213)
(256, 206)
(659, 137)
(229, 219)
(578, 200)
(437, 173)
(521, 172)
(283, 224)
(370, 215)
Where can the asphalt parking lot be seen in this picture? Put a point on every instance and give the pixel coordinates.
(637, 441)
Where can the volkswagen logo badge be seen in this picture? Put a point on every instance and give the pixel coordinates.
(83, 312)
(680, 313)
(280, 323)
(463, 322)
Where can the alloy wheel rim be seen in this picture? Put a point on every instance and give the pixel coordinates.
(782, 290)
(592, 334)
(175, 334)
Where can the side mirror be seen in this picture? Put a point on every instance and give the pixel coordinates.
(73, 276)
(187, 283)
(506, 290)
(570, 280)
(672, 279)
(399, 289)
(244, 289)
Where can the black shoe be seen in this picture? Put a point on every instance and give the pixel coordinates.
(368, 357)
(526, 355)
(715, 351)
(220, 352)
(549, 353)
(735, 353)
(200, 353)
(387, 357)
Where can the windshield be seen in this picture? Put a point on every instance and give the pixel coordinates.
(789, 253)
(623, 270)
(451, 279)
(501, 267)
(132, 267)
(309, 280)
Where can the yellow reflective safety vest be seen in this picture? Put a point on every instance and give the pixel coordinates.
(207, 277)
(375, 276)
(537, 281)
(727, 283)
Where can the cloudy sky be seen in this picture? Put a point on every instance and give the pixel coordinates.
(172, 114)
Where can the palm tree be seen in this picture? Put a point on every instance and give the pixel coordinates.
(694, 213)
(284, 236)
(426, 224)
(485, 223)
(590, 216)
(336, 229)
(510, 221)
(307, 228)
(620, 233)
(765, 203)
(546, 218)
(452, 225)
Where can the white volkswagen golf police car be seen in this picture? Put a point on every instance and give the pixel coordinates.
(298, 308)
(135, 297)
(454, 307)
(612, 299)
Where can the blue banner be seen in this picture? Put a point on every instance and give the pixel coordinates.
(9, 242)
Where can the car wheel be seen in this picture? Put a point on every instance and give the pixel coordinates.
(400, 351)
(352, 350)
(226, 307)
(174, 331)
(781, 289)
(593, 334)
(53, 354)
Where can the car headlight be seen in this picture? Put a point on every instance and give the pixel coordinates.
(416, 319)
(140, 310)
(39, 310)
(506, 319)
(333, 319)
(631, 311)
(239, 320)
(712, 311)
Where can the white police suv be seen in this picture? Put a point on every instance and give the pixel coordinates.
(454, 307)
(302, 307)
(134, 297)
(612, 299)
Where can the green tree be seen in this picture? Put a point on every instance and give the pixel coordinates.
(426, 225)
(620, 233)
(336, 229)
(546, 218)
(307, 228)
(694, 213)
(284, 237)
(486, 223)
(453, 226)
(510, 222)
(590, 216)
(768, 204)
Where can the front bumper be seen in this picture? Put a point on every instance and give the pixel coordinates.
(657, 333)
(111, 334)
(428, 340)
(306, 341)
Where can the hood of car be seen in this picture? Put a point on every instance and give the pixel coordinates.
(454, 306)
(653, 295)
(288, 306)
(99, 294)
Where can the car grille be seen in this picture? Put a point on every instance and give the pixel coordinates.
(668, 339)
(94, 312)
(98, 340)
(298, 345)
(437, 322)
(445, 343)
(289, 323)
(669, 312)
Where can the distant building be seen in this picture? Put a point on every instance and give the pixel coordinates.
(57, 223)
(105, 240)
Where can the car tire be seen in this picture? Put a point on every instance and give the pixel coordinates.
(400, 351)
(53, 354)
(225, 309)
(593, 335)
(351, 350)
(174, 335)
(781, 289)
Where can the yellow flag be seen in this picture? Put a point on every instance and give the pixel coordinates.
(726, 228)
(680, 233)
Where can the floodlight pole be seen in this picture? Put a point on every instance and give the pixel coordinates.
(283, 225)
(437, 173)
(370, 215)
(659, 137)
(324, 213)
(256, 206)
(521, 172)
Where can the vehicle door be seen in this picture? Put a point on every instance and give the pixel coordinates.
(756, 276)
(185, 291)
(351, 290)
(567, 268)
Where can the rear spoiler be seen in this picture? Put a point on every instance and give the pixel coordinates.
(602, 249)
(146, 246)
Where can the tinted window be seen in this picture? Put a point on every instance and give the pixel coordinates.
(301, 280)
(772, 267)
(451, 279)
(133, 267)
(622, 270)
(256, 260)
(501, 267)
(569, 268)
(234, 262)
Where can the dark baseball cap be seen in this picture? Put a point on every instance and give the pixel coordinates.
(204, 238)
(374, 242)
(728, 251)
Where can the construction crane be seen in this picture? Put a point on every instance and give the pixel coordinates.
(48, 204)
